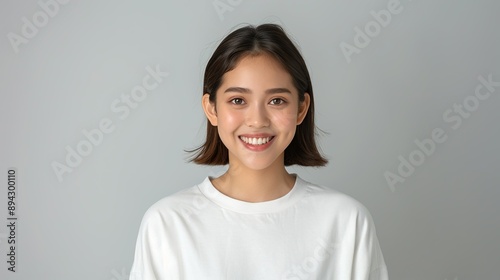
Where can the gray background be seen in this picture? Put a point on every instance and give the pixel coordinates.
(442, 222)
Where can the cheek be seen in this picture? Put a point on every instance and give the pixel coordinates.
(286, 120)
(229, 121)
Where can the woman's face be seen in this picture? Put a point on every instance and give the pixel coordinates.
(256, 112)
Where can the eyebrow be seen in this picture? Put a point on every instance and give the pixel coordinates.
(247, 90)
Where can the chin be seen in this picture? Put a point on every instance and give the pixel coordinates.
(259, 165)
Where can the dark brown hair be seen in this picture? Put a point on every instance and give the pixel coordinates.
(254, 40)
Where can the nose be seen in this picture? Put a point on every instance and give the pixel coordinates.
(257, 116)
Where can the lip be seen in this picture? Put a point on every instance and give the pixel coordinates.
(257, 148)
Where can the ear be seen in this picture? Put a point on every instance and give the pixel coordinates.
(303, 107)
(209, 109)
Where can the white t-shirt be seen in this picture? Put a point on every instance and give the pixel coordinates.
(312, 232)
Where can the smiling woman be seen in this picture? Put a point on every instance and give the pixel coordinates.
(257, 102)
(257, 221)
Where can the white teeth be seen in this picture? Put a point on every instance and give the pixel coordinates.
(255, 141)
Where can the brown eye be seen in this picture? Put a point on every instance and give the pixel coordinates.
(277, 101)
(237, 101)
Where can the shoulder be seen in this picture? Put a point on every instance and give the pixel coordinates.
(345, 211)
(331, 200)
(177, 204)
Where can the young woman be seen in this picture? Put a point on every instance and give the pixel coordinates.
(257, 221)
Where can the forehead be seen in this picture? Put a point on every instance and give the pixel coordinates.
(258, 72)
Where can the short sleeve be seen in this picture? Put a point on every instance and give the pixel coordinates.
(368, 262)
(148, 261)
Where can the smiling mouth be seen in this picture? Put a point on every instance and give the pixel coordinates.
(256, 140)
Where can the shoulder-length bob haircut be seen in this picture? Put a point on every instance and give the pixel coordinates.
(255, 40)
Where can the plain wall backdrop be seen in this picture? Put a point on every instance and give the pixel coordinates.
(407, 93)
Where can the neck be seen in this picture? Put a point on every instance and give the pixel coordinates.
(255, 185)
